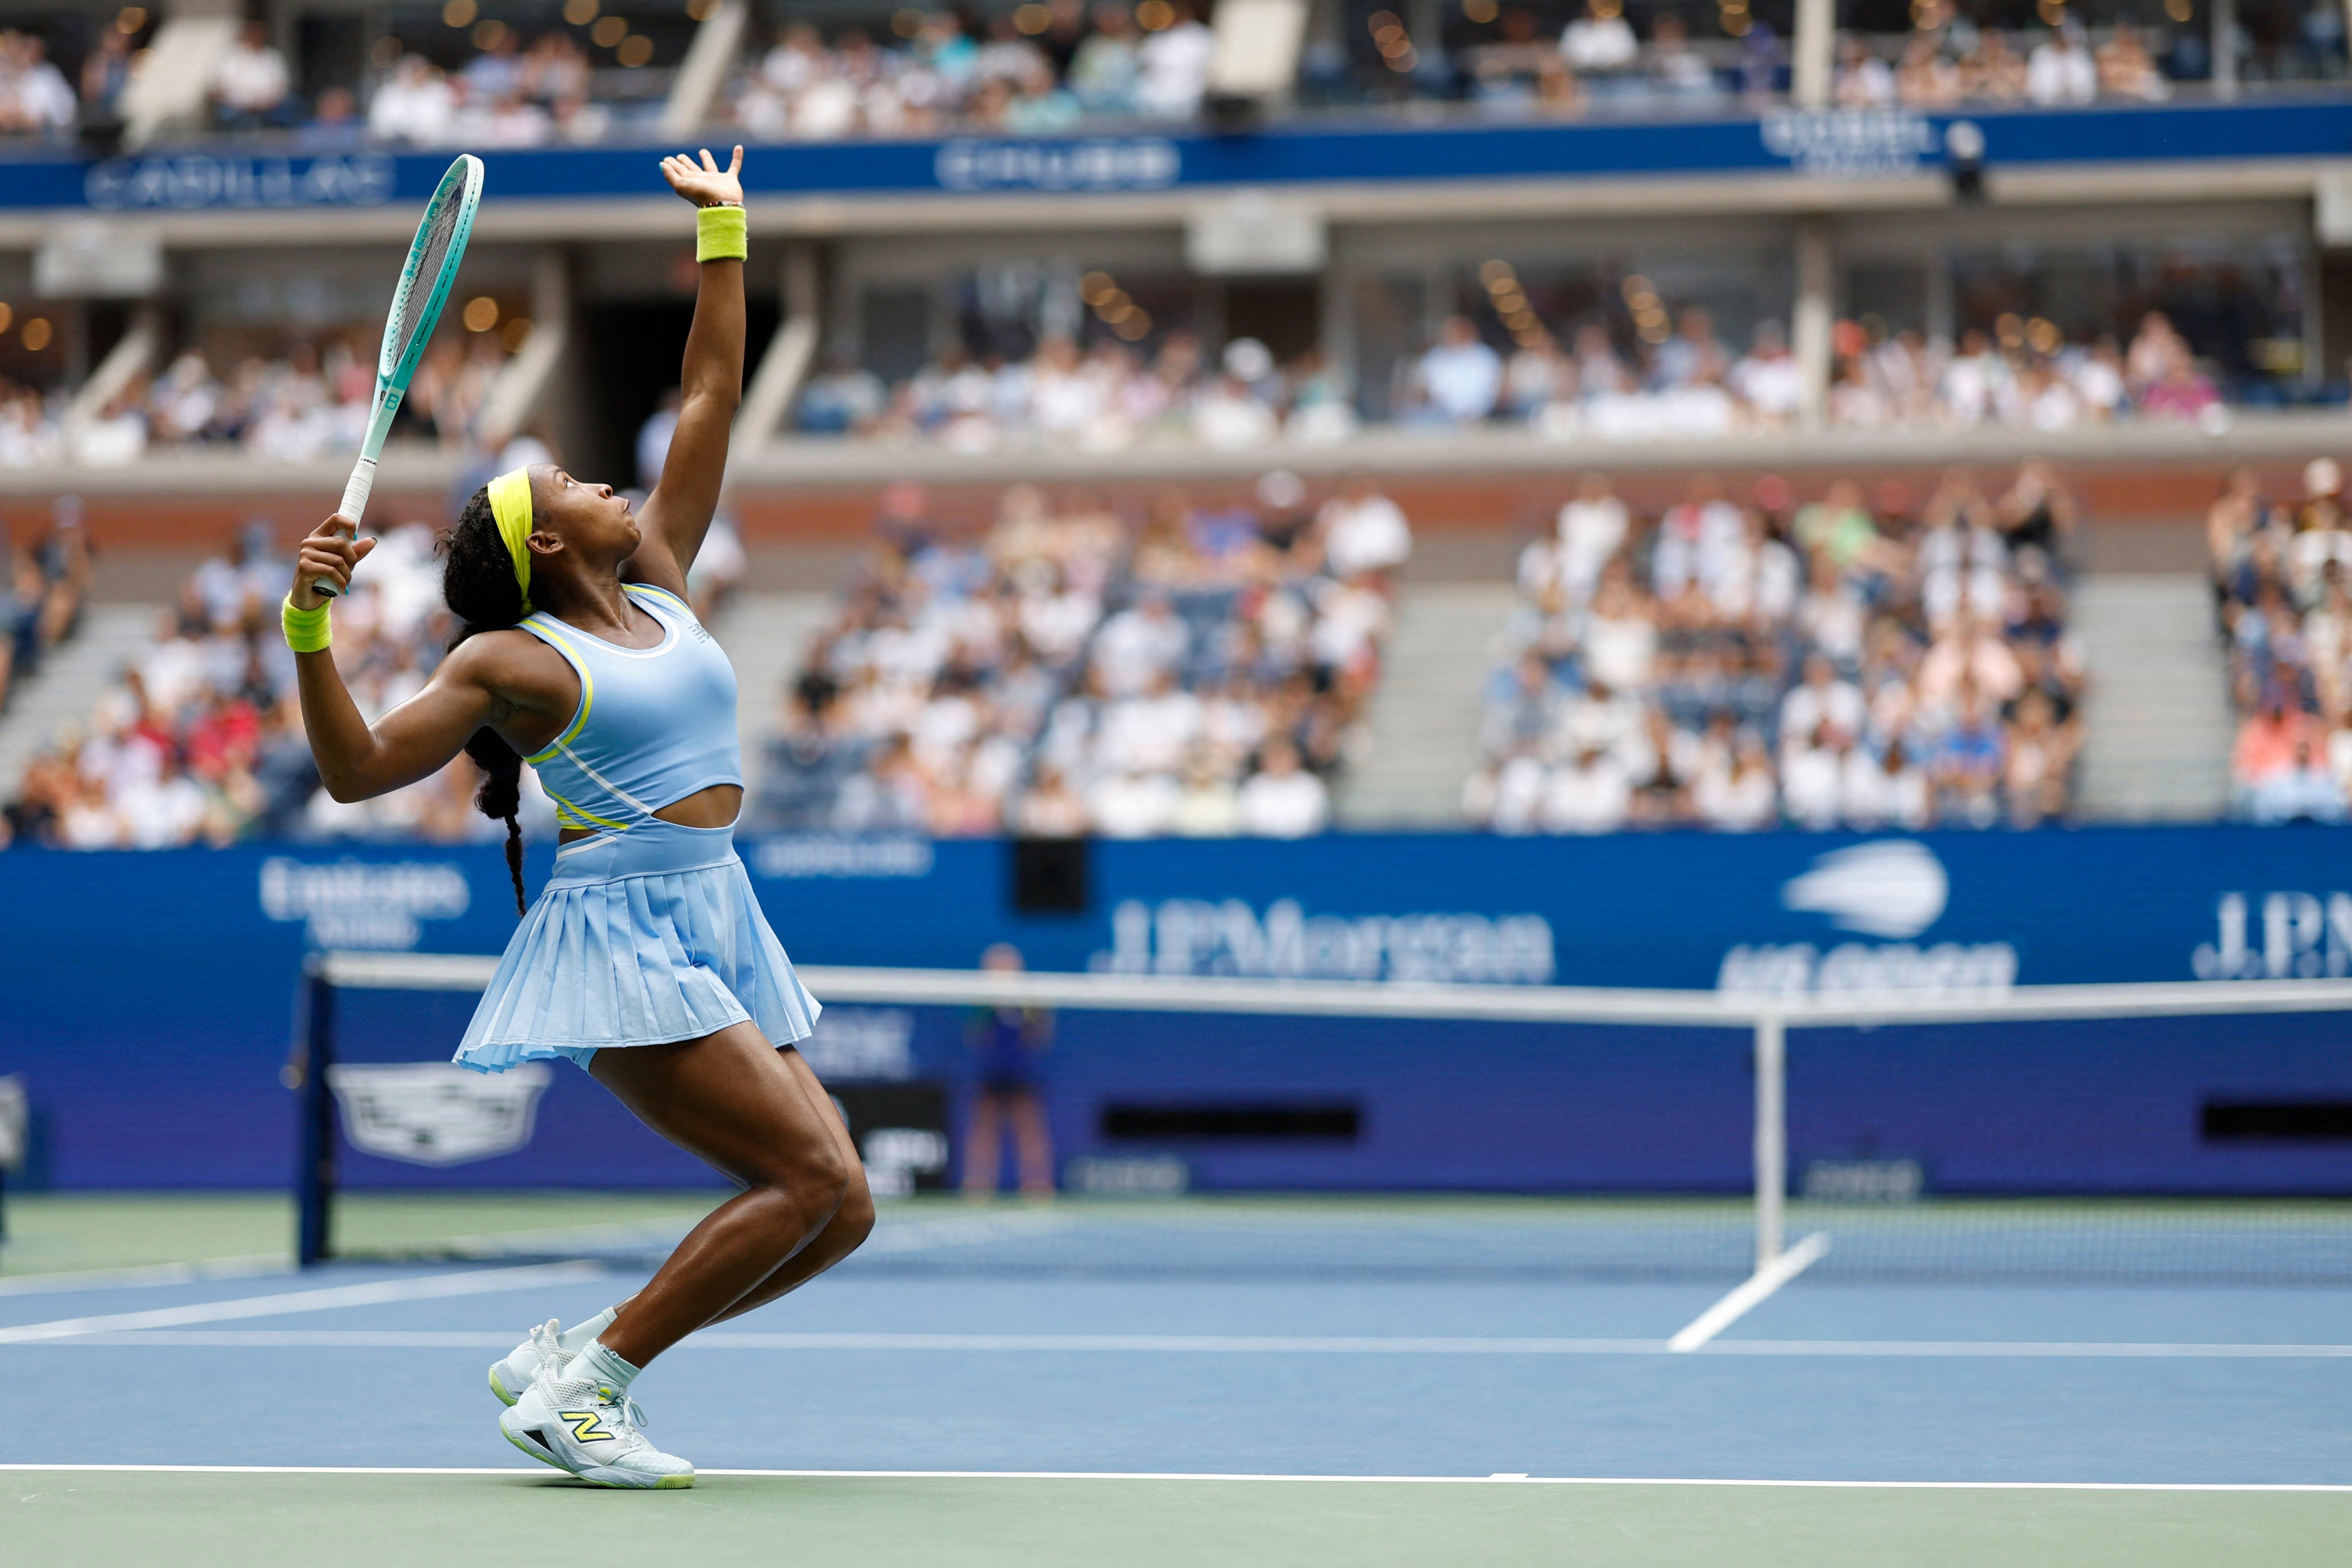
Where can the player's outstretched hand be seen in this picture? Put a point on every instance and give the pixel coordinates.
(329, 554)
(706, 184)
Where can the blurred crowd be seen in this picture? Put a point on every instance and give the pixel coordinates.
(1109, 396)
(1035, 70)
(313, 402)
(1057, 66)
(43, 586)
(2021, 374)
(1202, 670)
(1741, 662)
(1686, 384)
(506, 95)
(201, 740)
(2283, 598)
(1952, 61)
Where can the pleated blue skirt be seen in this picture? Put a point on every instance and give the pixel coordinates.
(639, 939)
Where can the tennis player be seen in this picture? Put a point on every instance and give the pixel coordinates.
(646, 959)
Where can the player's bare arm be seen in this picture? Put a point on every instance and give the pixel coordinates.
(678, 514)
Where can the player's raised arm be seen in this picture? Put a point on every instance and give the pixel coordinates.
(678, 513)
(357, 761)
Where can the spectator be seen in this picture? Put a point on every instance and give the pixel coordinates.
(1363, 531)
(1599, 40)
(415, 104)
(106, 70)
(2302, 790)
(2061, 68)
(251, 86)
(2126, 70)
(2270, 742)
(1107, 72)
(1863, 80)
(34, 97)
(1767, 378)
(1736, 795)
(1459, 378)
(1282, 800)
(1173, 67)
(1591, 793)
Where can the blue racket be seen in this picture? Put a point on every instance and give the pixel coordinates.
(425, 283)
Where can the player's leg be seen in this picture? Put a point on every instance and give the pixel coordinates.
(981, 1155)
(1033, 1144)
(736, 1101)
(731, 1098)
(851, 1223)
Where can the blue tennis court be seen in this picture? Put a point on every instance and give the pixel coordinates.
(1030, 1343)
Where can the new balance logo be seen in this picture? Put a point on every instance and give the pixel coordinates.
(586, 1425)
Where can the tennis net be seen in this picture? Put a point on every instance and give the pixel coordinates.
(1227, 1127)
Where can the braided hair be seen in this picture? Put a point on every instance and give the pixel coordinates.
(477, 583)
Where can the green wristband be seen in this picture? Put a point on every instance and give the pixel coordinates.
(306, 630)
(718, 235)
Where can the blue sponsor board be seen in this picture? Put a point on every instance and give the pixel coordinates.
(1844, 143)
(149, 1000)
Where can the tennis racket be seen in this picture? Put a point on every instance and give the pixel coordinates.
(432, 259)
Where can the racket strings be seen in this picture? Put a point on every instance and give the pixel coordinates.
(440, 230)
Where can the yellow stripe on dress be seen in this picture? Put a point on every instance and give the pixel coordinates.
(664, 592)
(587, 691)
(586, 819)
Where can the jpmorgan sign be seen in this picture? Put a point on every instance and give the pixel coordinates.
(2277, 936)
(183, 182)
(1194, 936)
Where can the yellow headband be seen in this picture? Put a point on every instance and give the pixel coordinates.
(510, 506)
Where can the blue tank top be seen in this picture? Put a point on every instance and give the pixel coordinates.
(654, 726)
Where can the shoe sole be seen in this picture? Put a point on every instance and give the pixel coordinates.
(500, 1388)
(661, 1483)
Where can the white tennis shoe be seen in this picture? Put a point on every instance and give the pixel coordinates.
(511, 1376)
(587, 1429)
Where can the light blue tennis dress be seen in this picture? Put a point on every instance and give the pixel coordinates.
(648, 931)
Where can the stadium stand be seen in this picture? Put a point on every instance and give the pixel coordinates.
(474, 78)
(42, 592)
(2283, 598)
(1831, 664)
(1598, 372)
(200, 741)
(1203, 671)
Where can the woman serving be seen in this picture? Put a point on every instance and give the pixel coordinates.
(646, 959)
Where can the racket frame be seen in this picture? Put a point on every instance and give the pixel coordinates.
(396, 363)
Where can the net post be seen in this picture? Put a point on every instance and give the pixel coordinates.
(314, 1169)
(1771, 1136)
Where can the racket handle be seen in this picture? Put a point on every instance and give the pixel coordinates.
(355, 500)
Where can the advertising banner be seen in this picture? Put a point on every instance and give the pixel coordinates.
(149, 998)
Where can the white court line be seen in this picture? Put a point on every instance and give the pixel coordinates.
(1220, 1344)
(1754, 1289)
(470, 1282)
(538, 1473)
(251, 1267)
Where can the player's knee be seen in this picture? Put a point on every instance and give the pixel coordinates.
(854, 1220)
(819, 1176)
